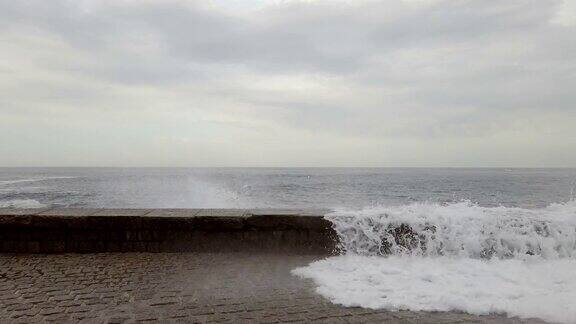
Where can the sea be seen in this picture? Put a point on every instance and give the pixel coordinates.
(331, 188)
(477, 240)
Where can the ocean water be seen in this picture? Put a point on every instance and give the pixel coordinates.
(481, 240)
(333, 188)
(508, 247)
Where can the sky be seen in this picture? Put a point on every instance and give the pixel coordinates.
(293, 83)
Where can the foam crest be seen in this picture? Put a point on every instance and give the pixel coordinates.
(21, 203)
(11, 182)
(459, 229)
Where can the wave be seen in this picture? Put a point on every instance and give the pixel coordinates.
(21, 203)
(454, 257)
(459, 229)
(11, 182)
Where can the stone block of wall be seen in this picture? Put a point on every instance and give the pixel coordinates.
(165, 230)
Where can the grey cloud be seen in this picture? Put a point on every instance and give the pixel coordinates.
(317, 37)
(380, 70)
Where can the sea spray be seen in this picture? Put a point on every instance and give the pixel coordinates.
(21, 203)
(460, 229)
(38, 179)
(454, 257)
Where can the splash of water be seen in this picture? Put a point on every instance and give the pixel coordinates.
(17, 181)
(21, 203)
(480, 260)
(460, 229)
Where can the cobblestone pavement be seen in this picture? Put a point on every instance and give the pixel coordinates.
(187, 288)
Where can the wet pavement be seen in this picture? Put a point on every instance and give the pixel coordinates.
(180, 288)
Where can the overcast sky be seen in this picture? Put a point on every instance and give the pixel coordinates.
(288, 83)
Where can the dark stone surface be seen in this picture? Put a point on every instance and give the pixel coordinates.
(173, 213)
(288, 222)
(169, 230)
(222, 212)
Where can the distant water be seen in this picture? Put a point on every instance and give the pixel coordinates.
(290, 187)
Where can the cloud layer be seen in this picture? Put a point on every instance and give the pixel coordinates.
(288, 83)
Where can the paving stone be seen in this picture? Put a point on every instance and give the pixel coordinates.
(180, 288)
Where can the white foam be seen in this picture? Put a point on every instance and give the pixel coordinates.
(21, 203)
(461, 229)
(543, 289)
(10, 182)
(520, 262)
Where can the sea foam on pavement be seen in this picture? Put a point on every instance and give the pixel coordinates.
(514, 261)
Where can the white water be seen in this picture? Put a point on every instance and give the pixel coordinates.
(519, 262)
(11, 182)
(462, 229)
(545, 290)
(21, 203)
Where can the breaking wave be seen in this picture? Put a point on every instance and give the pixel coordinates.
(460, 229)
(11, 182)
(454, 257)
(21, 203)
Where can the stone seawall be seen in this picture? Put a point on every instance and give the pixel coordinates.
(73, 230)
